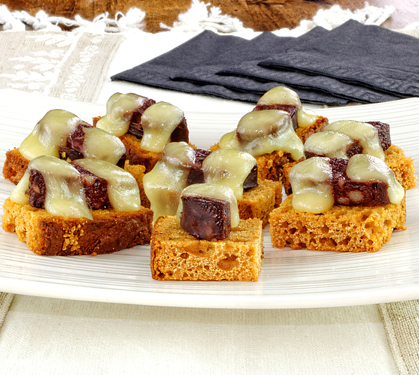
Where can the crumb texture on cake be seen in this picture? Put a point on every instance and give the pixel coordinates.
(402, 166)
(15, 166)
(46, 234)
(136, 155)
(176, 255)
(305, 132)
(342, 228)
(270, 165)
(138, 172)
(260, 201)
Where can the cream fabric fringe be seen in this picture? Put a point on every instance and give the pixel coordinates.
(198, 18)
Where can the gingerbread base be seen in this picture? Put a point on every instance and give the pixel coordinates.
(176, 255)
(342, 228)
(46, 234)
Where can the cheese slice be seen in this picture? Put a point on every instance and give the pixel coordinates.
(367, 168)
(366, 134)
(99, 144)
(158, 121)
(64, 192)
(123, 190)
(328, 143)
(119, 110)
(263, 132)
(165, 182)
(229, 168)
(49, 133)
(311, 185)
(280, 95)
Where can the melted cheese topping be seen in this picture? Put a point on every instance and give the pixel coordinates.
(284, 95)
(280, 95)
(123, 190)
(366, 134)
(159, 121)
(263, 132)
(99, 144)
(212, 191)
(311, 187)
(119, 109)
(311, 181)
(365, 168)
(305, 117)
(328, 143)
(229, 168)
(64, 192)
(165, 182)
(49, 133)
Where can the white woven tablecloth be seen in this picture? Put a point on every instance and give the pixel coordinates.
(50, 336)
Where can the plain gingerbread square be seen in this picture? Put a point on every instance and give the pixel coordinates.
(176, 255)
(259, 201)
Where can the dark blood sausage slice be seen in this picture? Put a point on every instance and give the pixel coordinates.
(348, 192)
(121, 162)
(67, 153)
(206, 218)
(289, 108)
(135, 127)
(76, 139)
(37, 191)
(95, 189)
(181, 133)
(74, 147)
(356, 148)
(196, 174)
(383, 133)
(251, 180)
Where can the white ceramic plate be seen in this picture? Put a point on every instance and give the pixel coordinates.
(289, 278)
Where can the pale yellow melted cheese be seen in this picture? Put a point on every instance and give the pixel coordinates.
(159, 121)
(123, 190)
(263, 132)
(284, 95)
(366, 134)
(228, 167)
(119, 110)
(311, 181)
(165, 182)
(212, 191)
(311, 187)
(49, 133)
(328, 143)
(366, 168)
(280, 95)
(99, 144)
(64, 192)
(305, 117)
